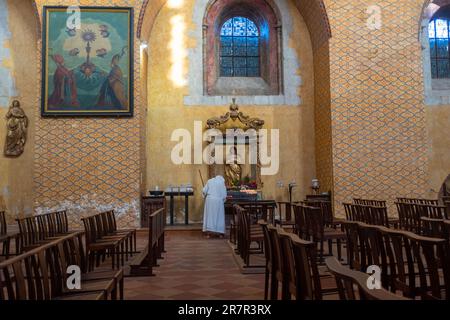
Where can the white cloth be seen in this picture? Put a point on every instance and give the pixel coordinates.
(215, 193)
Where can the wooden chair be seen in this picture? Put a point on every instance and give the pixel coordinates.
(248, 234)
(40, 274)
(308, 279)
(301, 229)
(111, 228)
(278, 268)
(419, 266)
(287, 219)
(96, 248)
(352, 285)
(268, 252)
(315, 221)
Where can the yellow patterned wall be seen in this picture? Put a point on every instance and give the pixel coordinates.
(378, 116)
(167, 112)
(91, 164)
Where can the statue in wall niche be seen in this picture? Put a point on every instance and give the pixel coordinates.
(16, 130)
(233, 170)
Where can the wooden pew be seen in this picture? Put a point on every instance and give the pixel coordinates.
(41, 274)
(143, 263)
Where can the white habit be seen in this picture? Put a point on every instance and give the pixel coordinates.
(215, 193)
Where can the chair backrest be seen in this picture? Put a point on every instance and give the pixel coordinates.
(3, 227)
(354, 248)
(29, 231)
(318, 197)
(314, 222)
(277, 258)
(285, 211)
(418, 201)
(417, 263)
(353, 285)
(370, 202)
(434, 228)
(300, 222)
(268, 252)
(307, 272)
(287, 254)
(370, 214)
(62, 222)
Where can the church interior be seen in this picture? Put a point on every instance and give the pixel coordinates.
(224, 150)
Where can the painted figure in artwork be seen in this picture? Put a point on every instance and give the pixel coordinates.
(65, 89)
(113, 92)
(16, 130)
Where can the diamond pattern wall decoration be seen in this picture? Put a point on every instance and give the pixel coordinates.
(378, 115)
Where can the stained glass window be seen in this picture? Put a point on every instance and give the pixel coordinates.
(438, 33)
(239, 48)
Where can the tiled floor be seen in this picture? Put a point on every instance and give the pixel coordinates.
(195, 268)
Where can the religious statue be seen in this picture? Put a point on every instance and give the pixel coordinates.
(233, 170)
(16, 130)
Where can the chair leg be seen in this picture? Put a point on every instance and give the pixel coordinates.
(321, 251)
(121, 289)
(339, 250)
(266, 284)
(274, 288)
(330, 247)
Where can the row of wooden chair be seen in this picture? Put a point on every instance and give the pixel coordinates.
(263, 209)
(410, 214)
(291, 262)
(103, 239)
(42, 274)
(414, 265)
(37, 230)
(370, 214)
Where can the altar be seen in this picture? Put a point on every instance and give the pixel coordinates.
(234, 151)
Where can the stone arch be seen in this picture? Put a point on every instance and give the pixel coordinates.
(313, 11)
(38, 20)
(316, 19)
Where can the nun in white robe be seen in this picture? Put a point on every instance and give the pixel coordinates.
(215, 194)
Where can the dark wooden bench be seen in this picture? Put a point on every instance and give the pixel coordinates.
(143, 263)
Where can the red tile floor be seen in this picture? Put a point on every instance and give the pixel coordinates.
(195, 268)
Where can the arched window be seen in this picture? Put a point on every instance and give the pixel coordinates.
(242, 49)
(239, 48)
(439, 36)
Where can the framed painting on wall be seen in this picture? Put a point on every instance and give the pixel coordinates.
(87, 61)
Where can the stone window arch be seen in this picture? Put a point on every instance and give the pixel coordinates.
(435, 40)
(221, 76)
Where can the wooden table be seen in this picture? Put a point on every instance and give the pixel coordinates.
(179, 192)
